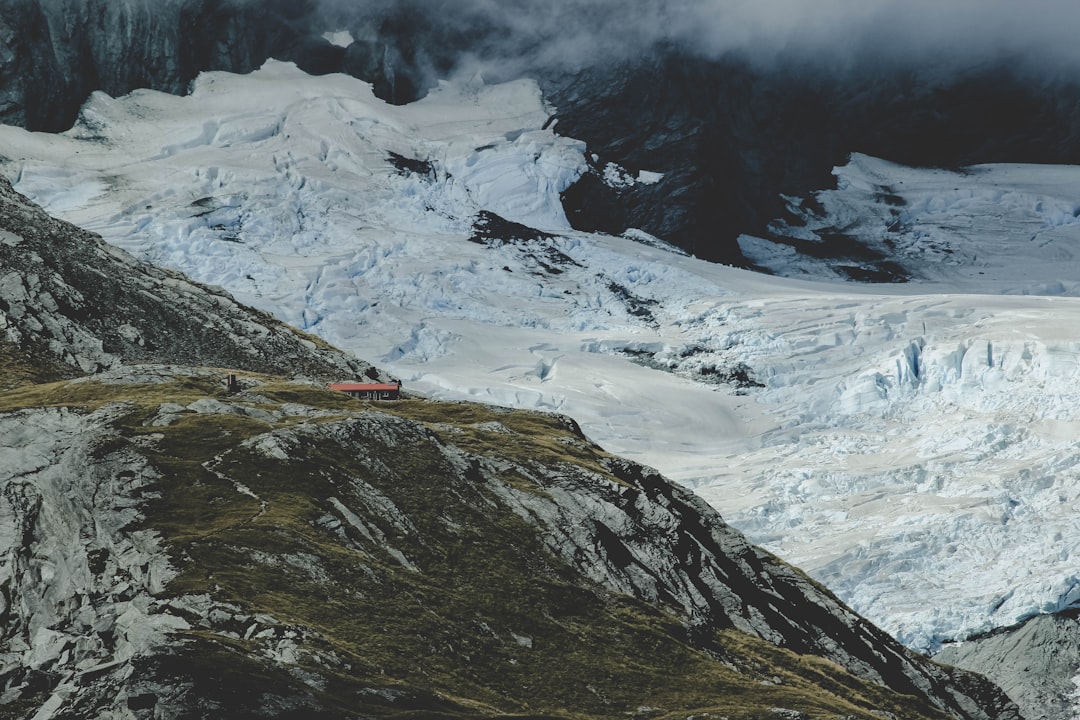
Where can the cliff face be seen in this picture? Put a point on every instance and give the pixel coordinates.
(54, 53)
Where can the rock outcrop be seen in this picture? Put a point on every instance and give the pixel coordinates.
(1037, 663)
(54, 53)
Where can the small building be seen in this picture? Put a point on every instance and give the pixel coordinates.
(369, 391)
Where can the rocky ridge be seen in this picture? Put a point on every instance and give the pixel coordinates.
(169, 541)
(79, 305)
(1034, 662)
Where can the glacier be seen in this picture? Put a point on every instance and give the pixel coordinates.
(912, 446)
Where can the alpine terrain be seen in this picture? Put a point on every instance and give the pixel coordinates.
(177, 548)
(816, 266)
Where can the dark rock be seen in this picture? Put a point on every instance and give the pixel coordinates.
(492, 229)
(316, 56)
(53, 55)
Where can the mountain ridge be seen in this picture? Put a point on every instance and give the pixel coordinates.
(89, 306)
(500, 537)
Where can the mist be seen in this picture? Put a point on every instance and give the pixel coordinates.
(506, 37)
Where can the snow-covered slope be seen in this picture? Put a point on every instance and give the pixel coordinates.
(989, 228)
(911, 448)
(79, 305)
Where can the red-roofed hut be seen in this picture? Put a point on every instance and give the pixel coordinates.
(369, 391)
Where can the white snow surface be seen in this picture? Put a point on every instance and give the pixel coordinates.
(1012, 229)
(914, 447)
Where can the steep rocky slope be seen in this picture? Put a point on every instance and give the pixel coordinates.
(1035, 662)
(287, 552)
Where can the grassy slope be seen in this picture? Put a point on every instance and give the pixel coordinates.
(490, 624)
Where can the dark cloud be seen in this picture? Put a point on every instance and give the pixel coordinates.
(504, 36)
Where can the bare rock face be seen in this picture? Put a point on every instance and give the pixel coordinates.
(70, 296)
(655, 540)
(54, 53)
(1037, 663)
(78, 579)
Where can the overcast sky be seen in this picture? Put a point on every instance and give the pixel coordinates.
(838, 31)
(904, 25)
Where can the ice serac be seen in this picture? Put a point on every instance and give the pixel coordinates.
(88, 306)
(729, 135)
(997, 228)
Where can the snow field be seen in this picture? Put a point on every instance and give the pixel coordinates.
(1008, 228)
